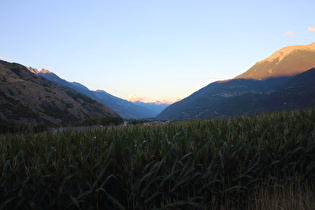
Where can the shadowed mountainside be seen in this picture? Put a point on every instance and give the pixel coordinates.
(296, 93)
(26, 98)
(263, 77)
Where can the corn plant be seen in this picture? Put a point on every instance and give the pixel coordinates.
(210, 164)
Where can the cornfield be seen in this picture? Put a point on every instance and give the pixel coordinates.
(199, 164)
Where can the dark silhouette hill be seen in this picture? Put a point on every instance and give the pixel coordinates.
(296, 93)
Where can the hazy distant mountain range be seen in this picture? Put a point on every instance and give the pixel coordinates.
(276, 83)
(155, 107)
(26, 98)
(123, 108)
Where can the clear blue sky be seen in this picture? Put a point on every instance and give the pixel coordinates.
(157, 49)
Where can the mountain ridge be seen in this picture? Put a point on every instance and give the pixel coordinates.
(27, 98)
(287, 50)
(263, 77)
(123, 108)
(284, 62)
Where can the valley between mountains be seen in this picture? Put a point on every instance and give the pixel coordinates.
(283, 81)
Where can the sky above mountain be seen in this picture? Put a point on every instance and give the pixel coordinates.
(155, 50)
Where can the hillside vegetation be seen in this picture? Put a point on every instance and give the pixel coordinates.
(231, 163)
(26, 98)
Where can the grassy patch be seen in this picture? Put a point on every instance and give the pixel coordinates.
(108, 120)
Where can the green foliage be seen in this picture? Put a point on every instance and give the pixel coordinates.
(186, 165)
(138, 122)
(6, 128)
